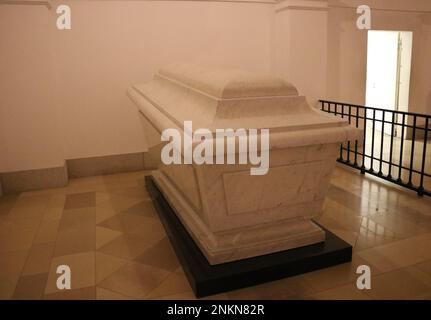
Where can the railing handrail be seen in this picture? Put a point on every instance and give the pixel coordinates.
(378, 109)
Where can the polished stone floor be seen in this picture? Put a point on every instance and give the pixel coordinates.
(107, 231)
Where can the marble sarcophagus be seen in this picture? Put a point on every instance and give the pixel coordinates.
(231, 214)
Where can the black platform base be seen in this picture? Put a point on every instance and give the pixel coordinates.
(206, 279)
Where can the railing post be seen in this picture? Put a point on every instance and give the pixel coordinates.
(348, 142)
(356, 141)
(372, 141)
(363, 169)
(400, 180)
(382, 145)
(392, 145)
(342, 144)
(421, 189)
(412, 154)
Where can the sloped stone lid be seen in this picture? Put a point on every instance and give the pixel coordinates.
(217, 99)
(227, 83)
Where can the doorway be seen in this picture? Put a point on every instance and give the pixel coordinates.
(389, 57)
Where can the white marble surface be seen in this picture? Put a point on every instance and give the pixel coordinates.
(231, 214)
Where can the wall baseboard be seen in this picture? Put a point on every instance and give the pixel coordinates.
(28, 180)
(20, 181)
(96, 166)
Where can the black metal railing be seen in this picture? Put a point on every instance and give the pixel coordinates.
(394, 146)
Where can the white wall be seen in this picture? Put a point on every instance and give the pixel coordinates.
(301, 46)
(405, 70)
(64, 92)
(30, 130)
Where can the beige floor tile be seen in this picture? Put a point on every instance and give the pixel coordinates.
(6, 203)
(88, 293)
(104, 236)
(173, 284)
(55, 208)
(8, 285)
(17, 239)
(325, 279)
(126, 222)
(75, 218)
(85, 189)
(127, 176)
(107, 265)
(113, 186)
(29, 207)
(52, 214)
(191, 296)
(179, 296)
(367, 240)
(133, 192)
(8, 225)
(327, 222)
(80, 200)
(104, 212)
(349, 236)
(179, 270)
(31, 287)
(220, 296)
(11, 265)
(82, 267)
(151, 231)
(102, 198)
(407, 283)
(75, 240)
(39, 259)
(378, 259)
(57, 201)
(347, 199)
(399, 254)
(346, 292)
(12, 262)
(105, 294)
(265, 291)
(143, 208)
(119, 203)
(44, 192)
(39, 201)
(400, 226)
(371, 241)
(86, 181)
(26, 212)
(348, 218)
(134, 280)
(48, 230)
(425, 267)
(161, 255)
(299, 287)
(125, 246)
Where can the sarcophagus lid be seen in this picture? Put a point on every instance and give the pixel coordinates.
(229, 98)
